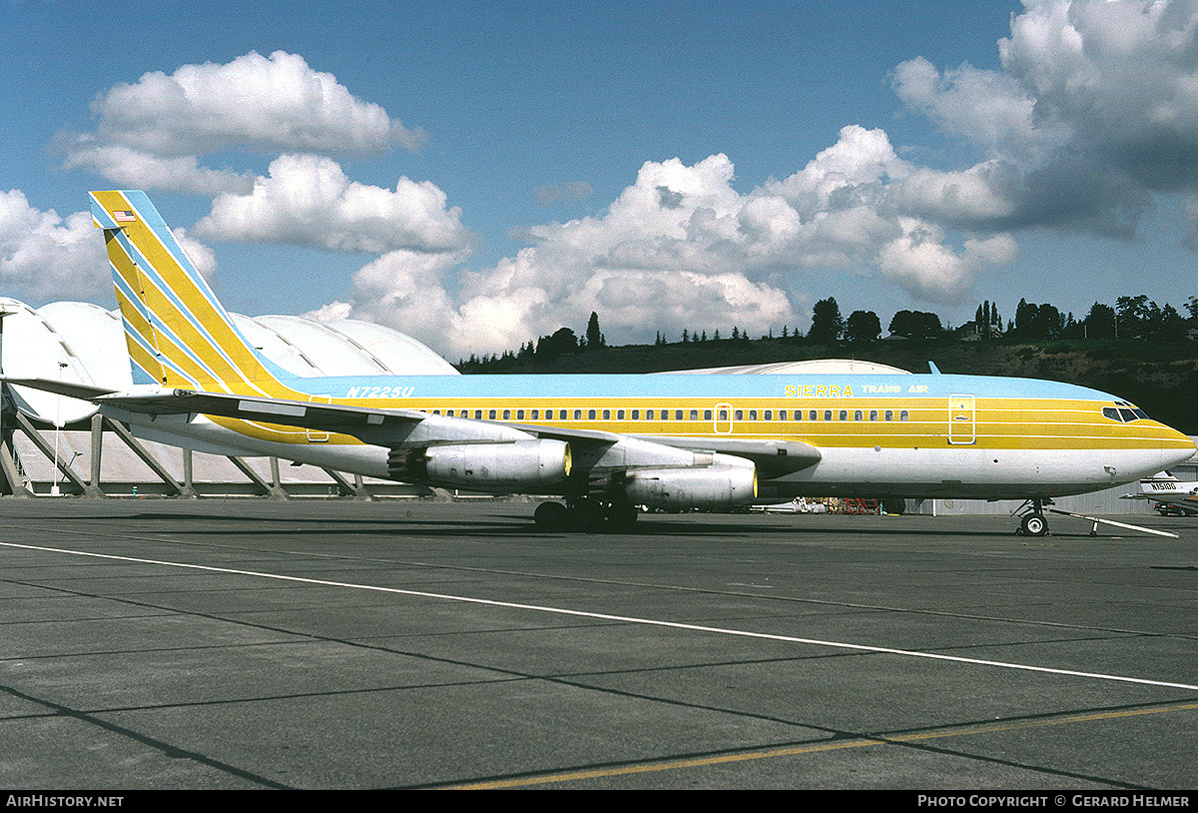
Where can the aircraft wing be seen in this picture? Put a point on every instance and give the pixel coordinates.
(306, 414)
(772, 457)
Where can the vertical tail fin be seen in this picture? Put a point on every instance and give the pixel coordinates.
(177, 332)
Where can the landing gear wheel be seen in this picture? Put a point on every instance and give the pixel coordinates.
(1033, 525)
(550, 516)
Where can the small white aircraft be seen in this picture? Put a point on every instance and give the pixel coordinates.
(604, 443)
(1172, 496)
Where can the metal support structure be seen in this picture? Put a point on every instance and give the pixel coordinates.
(189, 490)
(268, 489)
(361, 492)
(10, 481)
(356, 488)
(63, 466)
(147, 458)
(13, 480)
(277, 491)
(93, 488)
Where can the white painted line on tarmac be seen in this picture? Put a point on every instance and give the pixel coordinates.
(621, 618)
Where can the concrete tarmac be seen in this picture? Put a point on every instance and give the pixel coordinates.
(171, 644)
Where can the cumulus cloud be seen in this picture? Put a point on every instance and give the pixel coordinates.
(308, 200)
(1096, 108)
(681, 249)
(134, 169)
(43, 255)
(150, 134)
(925, 267)
(201, 255)
(276, 103)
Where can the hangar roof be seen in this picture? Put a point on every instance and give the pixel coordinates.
(85, 344)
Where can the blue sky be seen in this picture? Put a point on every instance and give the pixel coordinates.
(478, 175)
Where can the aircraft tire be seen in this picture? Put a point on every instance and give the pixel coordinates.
(550, 516)
(1034, 525)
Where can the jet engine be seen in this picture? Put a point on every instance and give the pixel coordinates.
(719, 486)
(519, 465)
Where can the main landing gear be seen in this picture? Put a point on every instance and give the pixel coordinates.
(585, 514)
(1033, 522)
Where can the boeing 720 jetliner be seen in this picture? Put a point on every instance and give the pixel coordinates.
(605, 443)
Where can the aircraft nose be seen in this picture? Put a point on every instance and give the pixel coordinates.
(1177, 449)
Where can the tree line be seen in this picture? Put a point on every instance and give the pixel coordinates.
(1131, 317)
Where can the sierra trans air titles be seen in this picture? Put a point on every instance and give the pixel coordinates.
(605, 443)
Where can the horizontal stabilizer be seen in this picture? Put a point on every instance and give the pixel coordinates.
(84, 392)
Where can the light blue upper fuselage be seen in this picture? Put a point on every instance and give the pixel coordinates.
(690, 386)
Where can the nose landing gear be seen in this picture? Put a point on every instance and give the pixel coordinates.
(1033, 522)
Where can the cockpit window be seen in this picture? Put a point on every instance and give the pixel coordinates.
(1124, 412)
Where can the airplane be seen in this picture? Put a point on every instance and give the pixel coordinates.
(603, 443)
(1172, 496)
